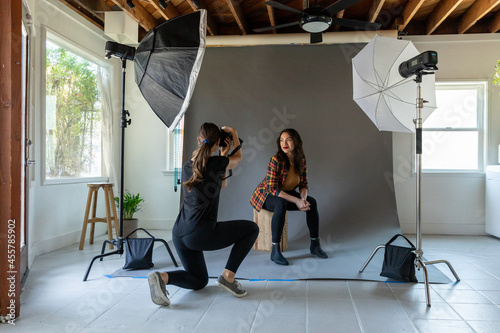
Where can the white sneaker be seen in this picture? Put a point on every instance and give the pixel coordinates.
(158, 290)
(234, 288)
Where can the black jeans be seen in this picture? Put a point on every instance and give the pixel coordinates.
(279, 206)
(209, 237)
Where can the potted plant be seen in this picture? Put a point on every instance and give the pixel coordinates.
(131, 204)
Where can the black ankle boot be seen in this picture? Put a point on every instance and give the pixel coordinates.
(317, 250)
(276, 255)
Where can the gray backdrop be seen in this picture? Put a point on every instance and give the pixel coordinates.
(260, 90)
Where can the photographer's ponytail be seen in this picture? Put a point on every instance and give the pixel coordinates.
(208, 135)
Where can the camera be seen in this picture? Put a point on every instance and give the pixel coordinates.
(424, 61)
(223, 137)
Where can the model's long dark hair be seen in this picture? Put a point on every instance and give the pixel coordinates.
(208, 135)
(298, 151)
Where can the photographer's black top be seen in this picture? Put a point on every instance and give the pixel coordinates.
(202, 203)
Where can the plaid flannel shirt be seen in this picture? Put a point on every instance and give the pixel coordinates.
(275, 177)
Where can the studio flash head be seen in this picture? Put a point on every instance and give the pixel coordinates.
(119, 50)
(424, 61)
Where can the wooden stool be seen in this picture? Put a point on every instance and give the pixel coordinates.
(109, 201)
(264, 241)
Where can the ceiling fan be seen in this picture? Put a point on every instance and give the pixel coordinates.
(316, 19)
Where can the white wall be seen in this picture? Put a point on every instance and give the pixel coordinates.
(145, 161)
(451, 203)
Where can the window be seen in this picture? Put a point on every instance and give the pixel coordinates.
(173, 162)
(73, 144)
(452, 136)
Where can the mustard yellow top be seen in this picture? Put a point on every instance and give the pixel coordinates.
(292, 180)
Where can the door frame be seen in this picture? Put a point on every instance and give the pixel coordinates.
(10, 157)
(27, 150)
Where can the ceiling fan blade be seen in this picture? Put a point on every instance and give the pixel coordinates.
(279, 5)
(340, 5)
(316, 37)
(362, 25)
(276, 27)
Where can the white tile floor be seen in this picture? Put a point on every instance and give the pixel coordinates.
(56, 300)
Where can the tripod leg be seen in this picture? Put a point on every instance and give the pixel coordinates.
(371, 257)
(447, 263)
(104, 246)
(168, 249)
(94, 259)
(421, 264)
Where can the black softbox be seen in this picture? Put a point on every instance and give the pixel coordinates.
(167, 63)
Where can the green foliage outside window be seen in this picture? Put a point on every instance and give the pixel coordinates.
(73, 123)
(496, 77)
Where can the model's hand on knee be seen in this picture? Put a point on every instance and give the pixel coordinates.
(302, 205)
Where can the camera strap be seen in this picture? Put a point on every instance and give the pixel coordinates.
(231, 154)
(236, 149)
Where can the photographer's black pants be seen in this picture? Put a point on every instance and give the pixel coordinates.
(279, 206)
(209, 237)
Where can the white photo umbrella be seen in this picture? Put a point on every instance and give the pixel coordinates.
(383, 94)
(394, 103)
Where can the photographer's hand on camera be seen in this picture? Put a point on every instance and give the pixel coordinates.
(225, 150)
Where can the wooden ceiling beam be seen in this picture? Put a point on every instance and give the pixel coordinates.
(375, 8)
(168, 13)
(339, 15)
(85, 11)
(409, 11)
(139, 13)
(94, 5)
(474, 13)
(235, 8)
(440, 13)
(495, 23)
(212, 26)
(272, 17)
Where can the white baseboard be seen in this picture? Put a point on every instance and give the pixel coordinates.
(58, 242)
(73, 238)
(55, 243)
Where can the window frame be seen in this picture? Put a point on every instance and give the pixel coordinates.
(481, 126)
(50, 35)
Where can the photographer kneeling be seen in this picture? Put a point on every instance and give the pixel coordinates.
(196, 228)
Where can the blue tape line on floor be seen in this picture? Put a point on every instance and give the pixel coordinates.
(139, 277)
(271, 280)
(109, 276)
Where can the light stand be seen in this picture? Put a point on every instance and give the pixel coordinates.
(419, 260)
(124, 53)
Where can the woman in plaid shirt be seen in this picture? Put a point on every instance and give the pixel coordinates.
(287, 172)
